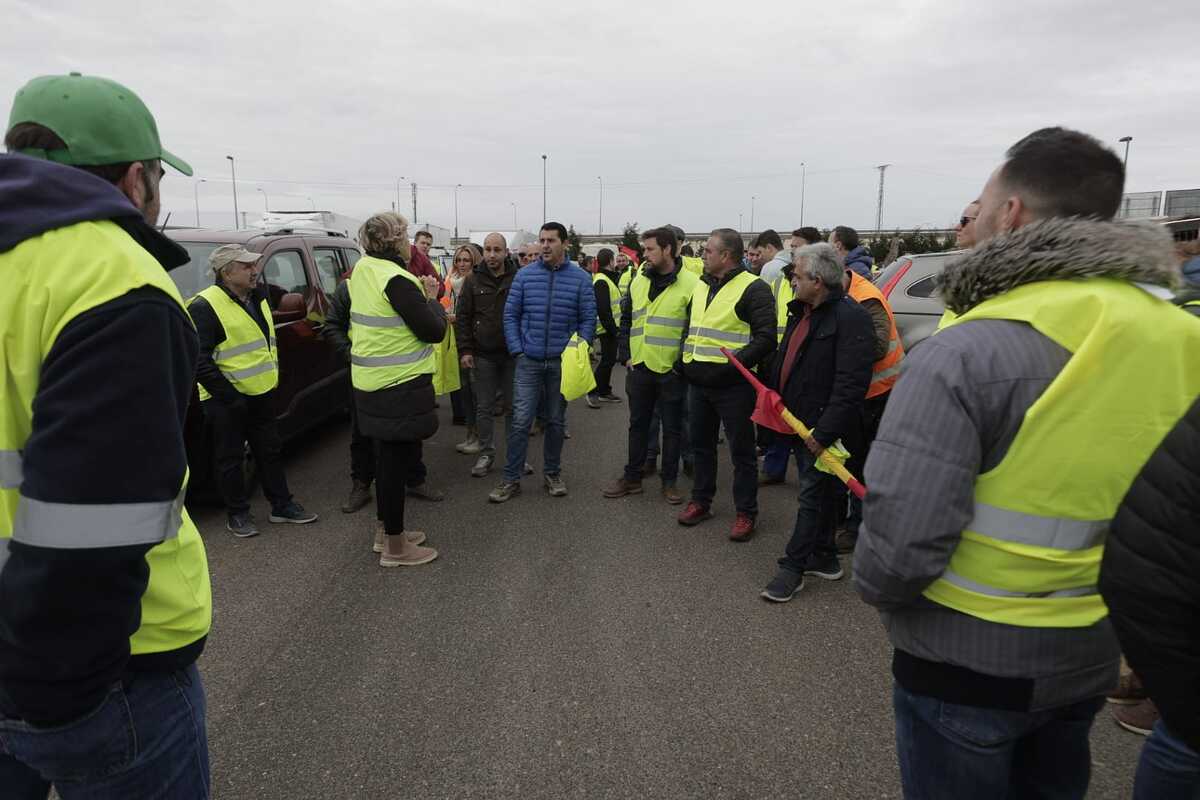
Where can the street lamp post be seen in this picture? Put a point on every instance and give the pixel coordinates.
(600, 222)
(514, 206)
(543, 188)
(398, 193)
(266, 199)
(739, 222)
(752, 199)
(456, 188)
(233, 172)
(803, 176)
(1126, 140)
(196, 197)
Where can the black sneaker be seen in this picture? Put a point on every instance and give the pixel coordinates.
(783, 586)
(830, 570)
(293, 512)
(593, 401)
(242, 525)
(609, 398)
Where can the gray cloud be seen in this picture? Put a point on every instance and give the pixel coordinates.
(687, 110)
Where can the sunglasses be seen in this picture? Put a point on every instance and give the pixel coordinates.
(965, 221)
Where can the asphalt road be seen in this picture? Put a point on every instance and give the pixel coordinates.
(559, 647)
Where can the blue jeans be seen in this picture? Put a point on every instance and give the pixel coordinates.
(146, 740)
(536, 383)
(951, 750)
(775, 460)
(1168, 768)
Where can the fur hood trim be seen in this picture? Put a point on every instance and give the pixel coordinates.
(1063, 248)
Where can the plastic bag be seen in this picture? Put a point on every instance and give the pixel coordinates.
(445, 368)
(838, 452)
(577, 378)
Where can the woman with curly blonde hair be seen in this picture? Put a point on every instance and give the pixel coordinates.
(395, 321)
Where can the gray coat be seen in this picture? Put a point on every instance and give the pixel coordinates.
(953, 415)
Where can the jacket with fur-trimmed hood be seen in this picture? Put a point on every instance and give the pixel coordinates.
(953, 415)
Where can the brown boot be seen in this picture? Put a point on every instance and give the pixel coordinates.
(621, 487)
(399, 551)
(416, 537)
(672, 495)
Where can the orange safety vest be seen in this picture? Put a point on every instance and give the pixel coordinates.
(887, 369)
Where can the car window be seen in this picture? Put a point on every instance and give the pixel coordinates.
(351, 255)
(194, 276)
(329, 267)
(926, 287)
(284, 274)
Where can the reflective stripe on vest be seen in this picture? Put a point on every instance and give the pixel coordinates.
(1031, 554)
(887, 369)
(10, 469)
(715, 325)
(781, 287)
(51, 280)
(614, 301)
(383, 351)
(656, 336)
(246, 358)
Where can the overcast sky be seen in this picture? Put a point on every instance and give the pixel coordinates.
(687, 110)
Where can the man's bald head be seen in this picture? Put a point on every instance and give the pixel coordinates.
(495, 252)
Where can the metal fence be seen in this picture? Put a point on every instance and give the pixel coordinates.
(1139, 205)
(1182, 203)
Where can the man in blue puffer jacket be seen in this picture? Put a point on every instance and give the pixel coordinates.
(550, 301)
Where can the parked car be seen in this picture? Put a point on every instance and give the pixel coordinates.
(301, 269)
(909, 285)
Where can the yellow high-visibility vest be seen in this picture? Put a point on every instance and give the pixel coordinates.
(716, 325)
(656, 332)
(246, 358)
(1031, 554)
(614, 301)
(49, 281)
(383, 350)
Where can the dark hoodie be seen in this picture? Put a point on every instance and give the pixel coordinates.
(108, 429)
(860, 260)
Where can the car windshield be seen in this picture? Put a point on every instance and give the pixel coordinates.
(194, 276)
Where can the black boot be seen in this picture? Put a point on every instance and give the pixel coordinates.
(360, 495)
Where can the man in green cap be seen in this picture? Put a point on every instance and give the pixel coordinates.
(105, 601)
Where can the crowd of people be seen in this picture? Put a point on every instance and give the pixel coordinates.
(1032, 469)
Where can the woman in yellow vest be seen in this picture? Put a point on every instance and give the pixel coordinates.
(238, 370)
(395, 321)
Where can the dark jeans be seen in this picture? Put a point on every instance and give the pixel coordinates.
(812, 536)
(146, 740)
(708, 409)
(685, 438)
(397, 461)
(253, 421)
(536, 383)
(362, 450)
(492, 374)
(1168, 768)
(872, 414)
(462, 400)
(950, 750)
(647, 392)
(608, 358)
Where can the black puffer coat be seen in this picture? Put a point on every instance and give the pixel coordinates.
(1150, 577)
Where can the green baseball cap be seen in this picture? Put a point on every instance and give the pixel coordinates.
(101, 121)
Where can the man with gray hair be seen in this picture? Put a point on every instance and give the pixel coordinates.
(821, 371)
(238, 370)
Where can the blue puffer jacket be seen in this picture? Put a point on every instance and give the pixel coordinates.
(546, 306)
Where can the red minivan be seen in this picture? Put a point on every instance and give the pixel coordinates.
(301, 268)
